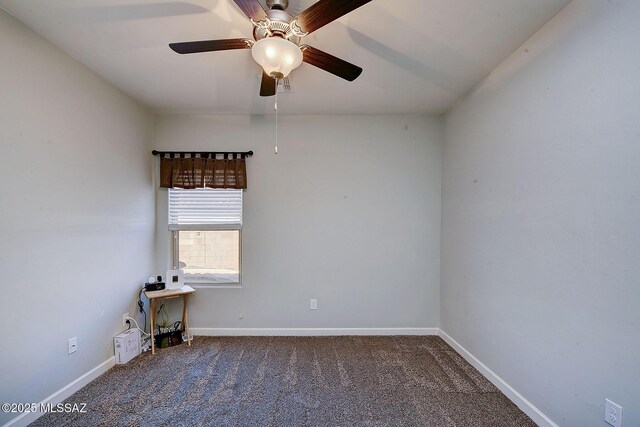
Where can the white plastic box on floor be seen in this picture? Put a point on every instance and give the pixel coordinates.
(127, 346)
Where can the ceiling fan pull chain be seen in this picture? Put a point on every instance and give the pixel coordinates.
(276, 108)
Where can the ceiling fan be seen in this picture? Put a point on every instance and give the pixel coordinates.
(277, 40)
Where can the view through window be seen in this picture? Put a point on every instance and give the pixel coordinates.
(210, 255)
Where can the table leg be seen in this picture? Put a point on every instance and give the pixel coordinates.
(152, 309)
(184, 310)
(185, 319)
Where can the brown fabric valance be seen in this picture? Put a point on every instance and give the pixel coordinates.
(198, 172)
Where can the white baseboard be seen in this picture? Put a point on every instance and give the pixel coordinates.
(527, 407)
(66, 391)
(309, 332)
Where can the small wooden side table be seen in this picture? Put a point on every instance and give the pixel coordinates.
(155, 296)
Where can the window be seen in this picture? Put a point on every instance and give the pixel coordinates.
(206, 225)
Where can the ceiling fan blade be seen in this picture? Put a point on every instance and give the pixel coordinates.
(210, 45)
(325, 11)
(330, 63)
(252, 9)
(268, 85)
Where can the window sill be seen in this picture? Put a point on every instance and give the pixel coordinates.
(201, 285)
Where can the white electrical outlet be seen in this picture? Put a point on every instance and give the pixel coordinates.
(73, 345)
(124, 320)
(313, 304)
(612, 413)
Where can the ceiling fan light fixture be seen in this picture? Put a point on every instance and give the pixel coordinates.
(277, 56)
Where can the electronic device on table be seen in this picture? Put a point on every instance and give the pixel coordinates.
(154, 284)
(175, 279)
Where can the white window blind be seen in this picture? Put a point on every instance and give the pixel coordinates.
(205, 209)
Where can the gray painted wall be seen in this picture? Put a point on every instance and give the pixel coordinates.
(77, 214)
(348, 213)
(541, 202)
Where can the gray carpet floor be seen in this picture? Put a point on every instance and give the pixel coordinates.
(294, 381)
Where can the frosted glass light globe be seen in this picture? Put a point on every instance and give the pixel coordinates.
(277, 56)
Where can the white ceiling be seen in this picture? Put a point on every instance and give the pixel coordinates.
(419, 56)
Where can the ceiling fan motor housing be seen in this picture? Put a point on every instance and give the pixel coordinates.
(279, 24)
(278, 4)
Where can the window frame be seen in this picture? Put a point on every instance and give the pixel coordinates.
(175, 249)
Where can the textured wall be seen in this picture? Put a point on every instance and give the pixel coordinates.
(77, 208)
(347, 213)
(541, 201)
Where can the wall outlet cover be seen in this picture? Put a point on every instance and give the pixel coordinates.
(612, 413)
(73, 345)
